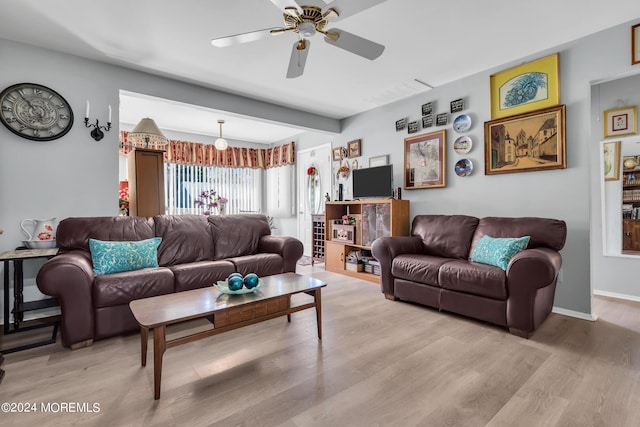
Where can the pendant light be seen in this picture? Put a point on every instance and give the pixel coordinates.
(147, 132)
(221, 143)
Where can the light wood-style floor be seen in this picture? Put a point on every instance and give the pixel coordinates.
(380, 363)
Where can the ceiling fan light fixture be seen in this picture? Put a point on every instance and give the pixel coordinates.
(221, 143)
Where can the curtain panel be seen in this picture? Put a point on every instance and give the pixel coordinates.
(196, 153)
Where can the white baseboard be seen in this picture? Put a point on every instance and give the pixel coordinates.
(617, 295)
(577, 314)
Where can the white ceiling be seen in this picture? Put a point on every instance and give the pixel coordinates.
(435, 42)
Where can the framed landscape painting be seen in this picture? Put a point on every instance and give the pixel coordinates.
(527, 142)
(425, 160)
(527, 87)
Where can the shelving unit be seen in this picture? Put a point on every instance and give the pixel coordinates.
(631, 210)
(317, 238)
(374, 218)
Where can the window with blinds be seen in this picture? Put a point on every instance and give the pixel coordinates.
(242, 187)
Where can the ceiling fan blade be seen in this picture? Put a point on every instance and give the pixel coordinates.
(298, 58)
(351, 7)
(242, 38)
(355, 44)
(284, 4)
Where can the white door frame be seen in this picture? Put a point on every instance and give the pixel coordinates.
(304, 223)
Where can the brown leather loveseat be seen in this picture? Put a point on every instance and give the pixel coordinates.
(195, 252)
(432, 267)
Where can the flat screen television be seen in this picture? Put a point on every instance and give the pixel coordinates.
(376, 182)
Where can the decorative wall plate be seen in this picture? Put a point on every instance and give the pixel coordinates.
(462, 123)
(464, 167)
(462, 145)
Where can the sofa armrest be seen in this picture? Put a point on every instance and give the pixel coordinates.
(289, 248)
(385, 249)
(69, 278)
(531, 282)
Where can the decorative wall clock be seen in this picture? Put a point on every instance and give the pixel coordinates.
(35, 112)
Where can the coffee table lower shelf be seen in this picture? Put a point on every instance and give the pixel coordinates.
(232, 313)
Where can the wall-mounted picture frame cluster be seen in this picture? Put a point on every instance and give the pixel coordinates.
(531, 86)
(620, 121)
(526, 142)
(424, 160)
(339, 153)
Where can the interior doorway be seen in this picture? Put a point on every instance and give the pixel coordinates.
(311, 196)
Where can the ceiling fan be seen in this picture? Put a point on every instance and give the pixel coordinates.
(307, 20)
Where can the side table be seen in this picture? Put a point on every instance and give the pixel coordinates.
(17, 257)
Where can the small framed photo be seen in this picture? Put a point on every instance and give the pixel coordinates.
(442, 119)
(413, 127)
(620, 121)
(338, 153)
(427, 121)
(611, 160)
(457, 105)
(378, 161)
(427, 108)
(635, 44)
(353, 148)
(401, 124)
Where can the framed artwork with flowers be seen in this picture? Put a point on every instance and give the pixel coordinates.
(527, 87)
(620, 121)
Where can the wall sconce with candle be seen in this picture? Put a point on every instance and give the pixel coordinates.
(97, 133)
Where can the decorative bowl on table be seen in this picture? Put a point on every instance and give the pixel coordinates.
(40, 244)
(223, 286)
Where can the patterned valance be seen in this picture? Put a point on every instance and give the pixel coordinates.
(196, 153)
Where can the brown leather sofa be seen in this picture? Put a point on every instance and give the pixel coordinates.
(195, 252)
(432, 267)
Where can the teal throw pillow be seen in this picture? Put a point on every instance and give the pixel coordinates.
(115, 257)
(498, 251)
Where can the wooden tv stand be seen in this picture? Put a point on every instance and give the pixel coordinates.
(375, 218)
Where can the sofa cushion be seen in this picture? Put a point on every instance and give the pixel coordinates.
(237, 235)
(473, 278)
(116, 257)
(122, 288)
(544, 232)
(261, 264)
(185, 239)
(74, 233)
(200, 274)
(447, 236)
(498, 251)
(418, 268)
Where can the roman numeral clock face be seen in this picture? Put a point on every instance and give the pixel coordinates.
(35, 112)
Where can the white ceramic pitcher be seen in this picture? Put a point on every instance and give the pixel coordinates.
(42, 229)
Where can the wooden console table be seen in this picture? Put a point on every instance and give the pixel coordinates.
(17, 257)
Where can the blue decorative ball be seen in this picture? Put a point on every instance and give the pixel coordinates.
(251, 280)
(235, 283)
(234, 275)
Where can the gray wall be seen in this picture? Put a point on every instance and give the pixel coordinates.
(75, 175)
(563, 194)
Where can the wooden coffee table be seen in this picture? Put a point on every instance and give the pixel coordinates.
(229, 312)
